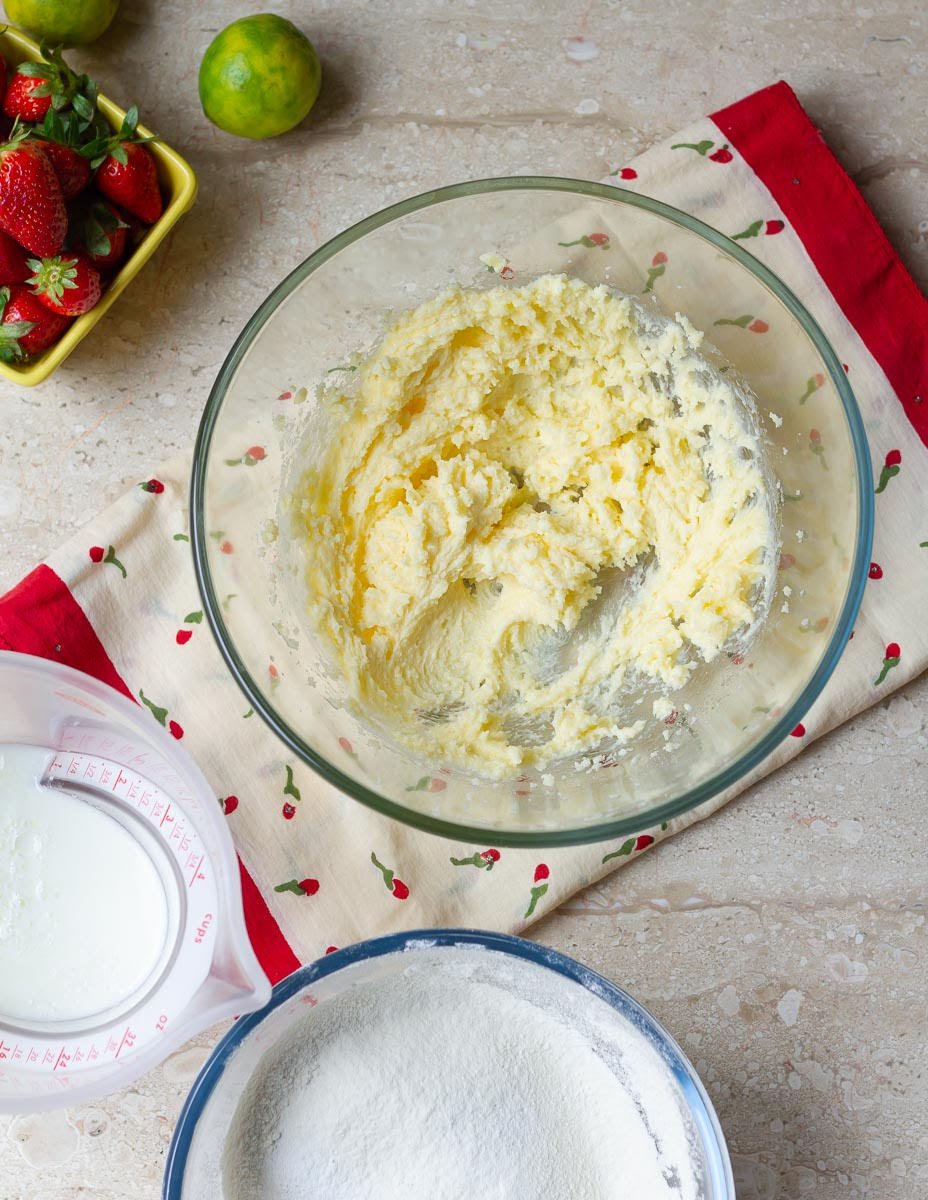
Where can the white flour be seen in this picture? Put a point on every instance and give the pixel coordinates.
(447, 1080)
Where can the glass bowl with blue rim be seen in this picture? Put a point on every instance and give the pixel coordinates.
(257, 435)
(203, 1154)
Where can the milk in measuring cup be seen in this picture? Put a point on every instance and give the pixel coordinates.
(83, 913)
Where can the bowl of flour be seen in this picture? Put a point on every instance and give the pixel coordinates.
(441, 1064)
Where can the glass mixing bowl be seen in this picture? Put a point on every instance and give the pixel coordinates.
(263, 415)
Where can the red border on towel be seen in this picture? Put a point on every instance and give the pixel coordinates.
(772, 132)
(40, 616)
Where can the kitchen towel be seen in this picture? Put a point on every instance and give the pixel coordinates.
(119, 600)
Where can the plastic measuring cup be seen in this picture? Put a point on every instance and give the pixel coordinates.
(98, 747)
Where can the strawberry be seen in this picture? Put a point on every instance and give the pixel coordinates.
(100, 230)
(31, 204)
(133, 183)
(126, 171)
(68, 284)
(37, 87)
(13, 267)
(21, 100)
(39, 325)
(71, 167)
(12, 331)
(61, 136)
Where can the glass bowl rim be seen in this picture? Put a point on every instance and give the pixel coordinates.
(695, 1095)
(618, 826)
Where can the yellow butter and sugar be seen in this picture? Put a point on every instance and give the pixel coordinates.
(536, 500)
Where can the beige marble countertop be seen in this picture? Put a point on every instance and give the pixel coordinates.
(784, 941)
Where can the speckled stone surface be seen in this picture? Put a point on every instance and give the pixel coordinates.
(784, 941)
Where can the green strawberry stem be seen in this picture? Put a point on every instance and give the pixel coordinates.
(290, 788)
(626, 848)
(420, 785)
(194, 618)
(752, 231)
(160, 714)
(290, 886)
(62, 84)
(114, 144)
(580, 241)
(654, 273)
(475, 860)
(702, 147)
(51, 276)
(384, 871)
(742, 322)
(885, 476)
(888, 664)
(111, 558)
(537, 892)
(811, 386)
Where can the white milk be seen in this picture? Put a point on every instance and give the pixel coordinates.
(83, 913)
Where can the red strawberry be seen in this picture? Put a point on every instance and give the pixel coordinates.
(628, 173)
(643, 841)
(43, 327)
(400, 890)
(229, 805)
(12, 331)
(133, 183)
(308, 887)
(31, 204)
(183, 636)
(37, 87)
(175, 730)
(27, 97)
(722, 155)
(101, 231)
(289, 812)
(541, 872)
(96, 554)
(126, 172)
(71, 167)
(13, 267)
(67, 284)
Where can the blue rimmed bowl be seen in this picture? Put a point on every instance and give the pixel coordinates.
(195, 1159)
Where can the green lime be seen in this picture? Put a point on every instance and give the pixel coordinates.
(259, 77)
(62, 22)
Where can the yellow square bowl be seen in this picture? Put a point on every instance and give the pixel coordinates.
(178, 187)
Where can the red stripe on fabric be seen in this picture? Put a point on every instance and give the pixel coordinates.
(773, 133)
(276, 956)
(40, 616)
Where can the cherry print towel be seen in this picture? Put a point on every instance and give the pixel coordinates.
(318, 871)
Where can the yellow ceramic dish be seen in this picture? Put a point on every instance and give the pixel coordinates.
(179, 188)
